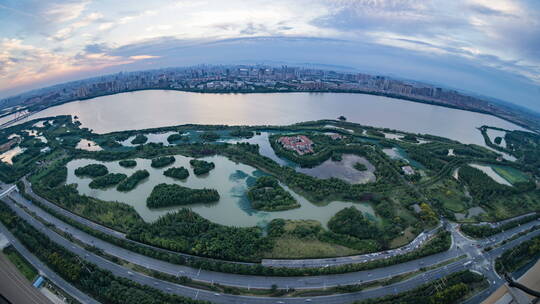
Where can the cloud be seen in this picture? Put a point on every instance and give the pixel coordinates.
(96, 48)
(69, 31)
(64, 12)
(143, 57)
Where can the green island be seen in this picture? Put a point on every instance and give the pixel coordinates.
(139, 139)
(360, 167)
(165, 195)
(92, 170)
(201, 167)
(128, 163)
(107, 180)
(178, 173)
(176, 137)
(163, 161)
(268, 195)
(133, 180)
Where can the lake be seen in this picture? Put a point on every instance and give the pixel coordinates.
(230, 179)
(158, 108)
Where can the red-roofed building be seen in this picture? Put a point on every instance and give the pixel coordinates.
(300, 143)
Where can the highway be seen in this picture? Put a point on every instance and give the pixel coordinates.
(247, 281)
(223, 298)
(209, 295)
(461, 245)
(253, 281)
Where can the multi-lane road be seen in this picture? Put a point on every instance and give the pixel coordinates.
(482, 262)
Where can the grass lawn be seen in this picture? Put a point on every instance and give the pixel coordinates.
(24, 267)
(404, 239)
(510, 174)
(292, 247)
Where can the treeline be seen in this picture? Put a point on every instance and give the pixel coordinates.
(351, 221)
(115, 215)
(107, 180)
(242, 133)
(209, 136)
(166, 195)
(518, 256)
(485, 230)
(177, 137)
(179, 173)
(162, 161)
(92, 170)
(525, 146)
(55, 176)
(268, 195)
(100, 284)
(483, 188)
(143, 232)
(201, 166)
(187, 231)
(133, 180)
(456, 287)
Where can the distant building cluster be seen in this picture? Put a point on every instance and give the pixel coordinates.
(251, 79)
(301, 144)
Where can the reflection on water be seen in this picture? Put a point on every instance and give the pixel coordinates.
(230, 179)
(158, 108)
(343, 169)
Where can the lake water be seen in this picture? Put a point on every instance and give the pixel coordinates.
(157, 108)
(230, 179)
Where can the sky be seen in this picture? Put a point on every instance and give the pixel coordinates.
(487, 47)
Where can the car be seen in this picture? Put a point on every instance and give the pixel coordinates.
(308, 300)
(216, 294)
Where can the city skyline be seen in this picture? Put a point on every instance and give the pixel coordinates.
(476, 46)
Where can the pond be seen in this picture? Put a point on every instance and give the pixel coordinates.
(343, 169)
(230, 179)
